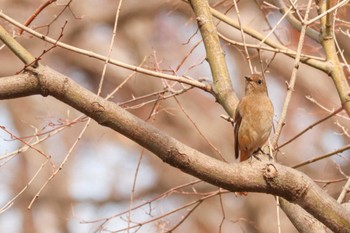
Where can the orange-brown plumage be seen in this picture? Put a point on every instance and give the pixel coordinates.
(253, 118)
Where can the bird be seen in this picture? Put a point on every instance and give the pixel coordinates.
(253, 118)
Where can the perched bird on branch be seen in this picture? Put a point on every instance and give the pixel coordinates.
(253, 118)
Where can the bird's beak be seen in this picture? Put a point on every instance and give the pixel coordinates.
(248, 78)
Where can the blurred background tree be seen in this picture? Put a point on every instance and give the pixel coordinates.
(108, 183)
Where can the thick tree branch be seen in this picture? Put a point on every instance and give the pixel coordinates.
(215, 56)
(16, 47)
(327, 38)
(302, 221)
(296, 23)
(255, 176)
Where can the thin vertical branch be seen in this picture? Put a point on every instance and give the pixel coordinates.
(110, 47)
(292, 81)
(132, 195)
(243, 37)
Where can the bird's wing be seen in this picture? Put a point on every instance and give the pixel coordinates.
(238, 120)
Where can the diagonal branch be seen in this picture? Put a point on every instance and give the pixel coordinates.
(321, 65)
(185, 80)
(215, 56)
(16, 47)
(315, 35)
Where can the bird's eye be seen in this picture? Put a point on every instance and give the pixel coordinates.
(259, 81)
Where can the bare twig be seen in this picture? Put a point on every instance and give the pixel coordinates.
(114, 33)
(243, 37)
(61, 165)
(292, 80)
(36, 13)
(187, 80)
(310, 127)
(317, 158)
(344, 191)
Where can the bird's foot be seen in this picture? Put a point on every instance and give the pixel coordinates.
(257, 152)
(256, 156)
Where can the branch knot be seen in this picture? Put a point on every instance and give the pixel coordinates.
(270, 171)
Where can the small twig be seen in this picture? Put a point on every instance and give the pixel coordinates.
(344, 191)
(110, 95)
(48, 157)
(195, 202)
(324, 66)
(310, 98)
(222, 212)
(292, 80)
(11, 202)
(228, 118)
(67, 5)
(186, 216)
(278, 214)
(315, 35)
(343, 128)
(45, 51)
(335, 7)
(310, 127)
(287, 51)
(61, 165)
(47, 134)
(243, 37)
(147, 203)
(132, 195)
(114, 33)
(188, 55)
(180, 79)
(321, 157)
(275, 27)
(36, 13)
(200, 132)
(330, 181)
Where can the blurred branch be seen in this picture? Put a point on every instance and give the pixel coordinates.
(36, 13)
(313, 34)
(324, 66)
(185, 80)
(222, 84)
(286, 51)
(290, 85)
(329, 10)
(340, 150)
(310, 127)
(243, 37)
(16, 47)
(302, 221)
(327, 39)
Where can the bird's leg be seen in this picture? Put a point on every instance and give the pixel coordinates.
(255, 155)
(262, 151)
